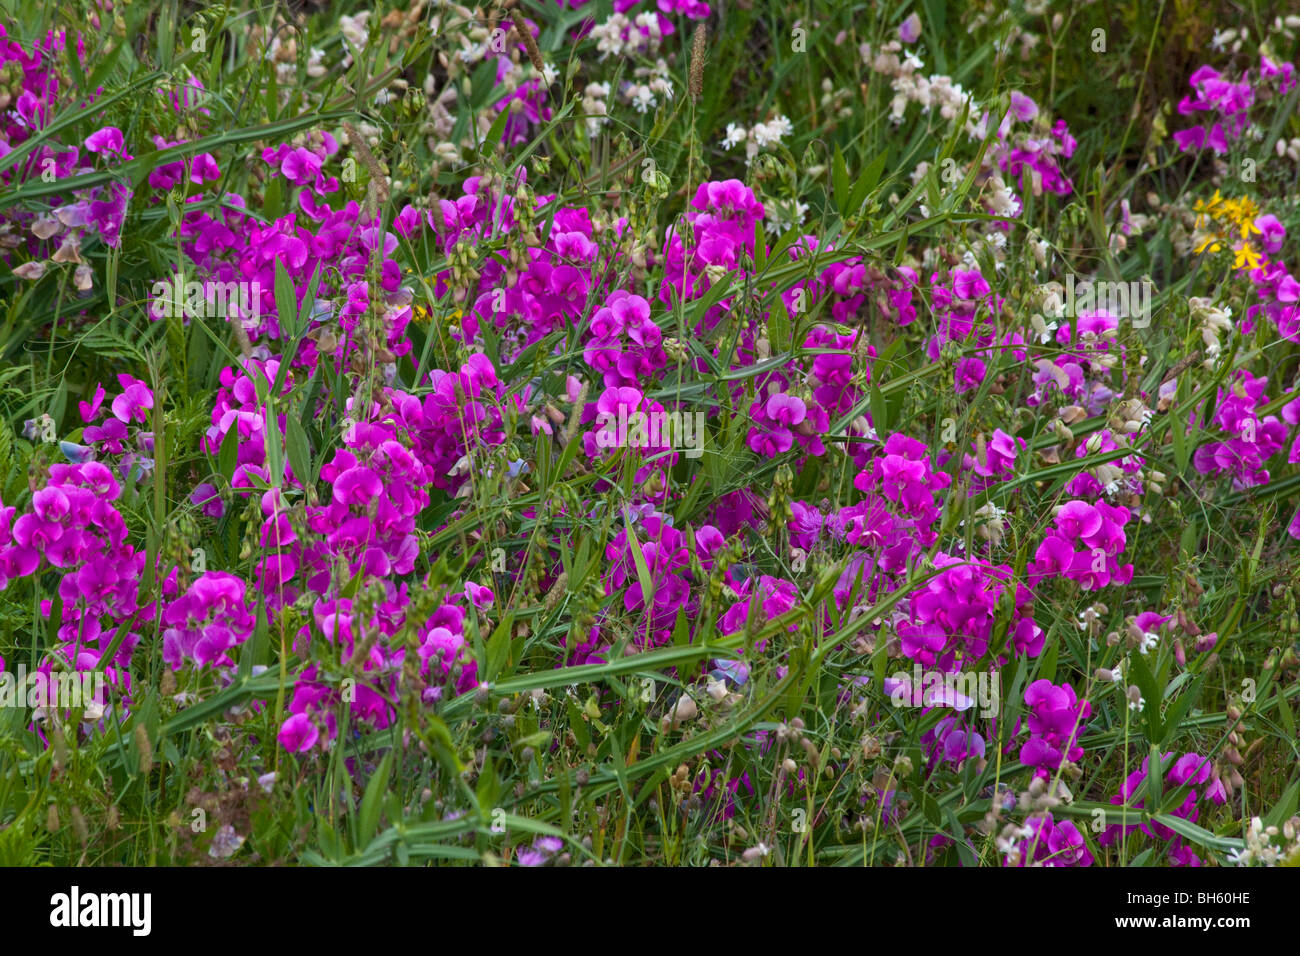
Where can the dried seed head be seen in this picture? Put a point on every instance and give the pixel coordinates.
(439, 221)
(58, 748)
(145, 747)
(572, 428)
(79, 825)
(698, 45)
(530, 44)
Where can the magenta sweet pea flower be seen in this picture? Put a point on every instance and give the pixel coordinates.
(134, 402)
(1272, 233)
(107, 140)
(298, 734)
(481, 597)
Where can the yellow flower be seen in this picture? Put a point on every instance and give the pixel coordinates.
(1240, 213)
(1247, 257)
(1209, 243)
(1211, 206)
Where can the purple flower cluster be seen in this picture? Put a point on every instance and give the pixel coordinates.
(1099, 530)
(1190, 769)
(951, 618)
(952, 740)
(74, 528)
(204, 623)
(624, 345)
(1044, 841)
(1056, 717)
(1254, 439)
(56, 234)
(1228, 104)
(365, 650)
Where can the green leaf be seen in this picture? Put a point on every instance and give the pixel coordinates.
(879, 410)
(300, 459)
(930, 808)
(779, 326)
(1151, 691)
(1196, 834)
(1284, 712)
(866, 182)
(1155, 782)
(488, 788)
(368, 818)
(840, 182)
(498, 647)
(286, 300)
(642, 569)
(1174, 720)
(495, 132)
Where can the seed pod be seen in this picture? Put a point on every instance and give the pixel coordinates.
(683, 711)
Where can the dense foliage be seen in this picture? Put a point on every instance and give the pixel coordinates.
(649, 432)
